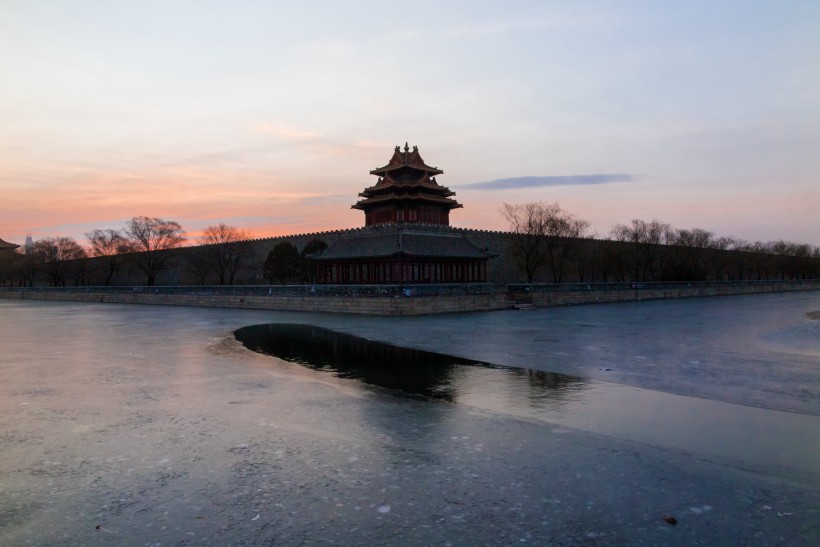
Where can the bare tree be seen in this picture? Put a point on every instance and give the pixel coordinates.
(543, 233)
(689, 256)
(527, 245)
(52, 255)
(792, 260)
(198, 264)
(612, 261)
(151, 241)
(695, 238)
(736, 262)
(563, 234)
(645, 239)
(760, 261)
(226, 250)
(110, 244)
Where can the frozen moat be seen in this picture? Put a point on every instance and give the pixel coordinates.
(156, 426)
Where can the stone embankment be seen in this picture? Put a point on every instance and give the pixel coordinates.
(367, 300)
(402, 300)
(600, 293)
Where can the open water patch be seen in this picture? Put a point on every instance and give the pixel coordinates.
(410, 371)
(754, 438)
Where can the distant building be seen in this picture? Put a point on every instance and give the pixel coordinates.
(407, 236)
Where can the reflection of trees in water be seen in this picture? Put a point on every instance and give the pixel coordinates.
(408, 370)
(545, 389)
(540, 379)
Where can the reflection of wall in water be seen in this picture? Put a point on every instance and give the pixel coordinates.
(550, 388)
(376, 363)
(411, 371)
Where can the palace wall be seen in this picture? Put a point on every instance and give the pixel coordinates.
(401, 301)
(591, 261)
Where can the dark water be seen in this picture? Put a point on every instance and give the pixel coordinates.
(757, 437)
(410, 371)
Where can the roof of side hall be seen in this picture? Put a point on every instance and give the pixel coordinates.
(402, 242)
(6, 246)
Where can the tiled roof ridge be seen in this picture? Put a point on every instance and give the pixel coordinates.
(5, 245)
(406, 158)
(407, 240)
(385, 226)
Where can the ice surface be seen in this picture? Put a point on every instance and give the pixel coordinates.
(759, 350)
(154, 425)
(711, 428)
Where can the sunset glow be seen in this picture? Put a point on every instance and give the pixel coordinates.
(269, 116)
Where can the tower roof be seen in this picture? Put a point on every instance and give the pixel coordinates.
(406, 186)
(406, 158)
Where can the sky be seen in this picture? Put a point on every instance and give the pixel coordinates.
(269, 115)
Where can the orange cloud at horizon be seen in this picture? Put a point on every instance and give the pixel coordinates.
(269, 202)
(91, 200)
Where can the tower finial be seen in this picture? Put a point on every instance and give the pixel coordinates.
(406, 148)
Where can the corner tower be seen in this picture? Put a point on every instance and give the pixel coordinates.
(407, 236)
(407, 192)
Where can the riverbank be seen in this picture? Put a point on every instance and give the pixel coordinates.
(401, 300)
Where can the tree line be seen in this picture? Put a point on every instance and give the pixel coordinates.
(545, 243)
(59, 260)
(552, 244)
(147, 247)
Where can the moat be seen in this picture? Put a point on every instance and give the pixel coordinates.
(148, 424)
